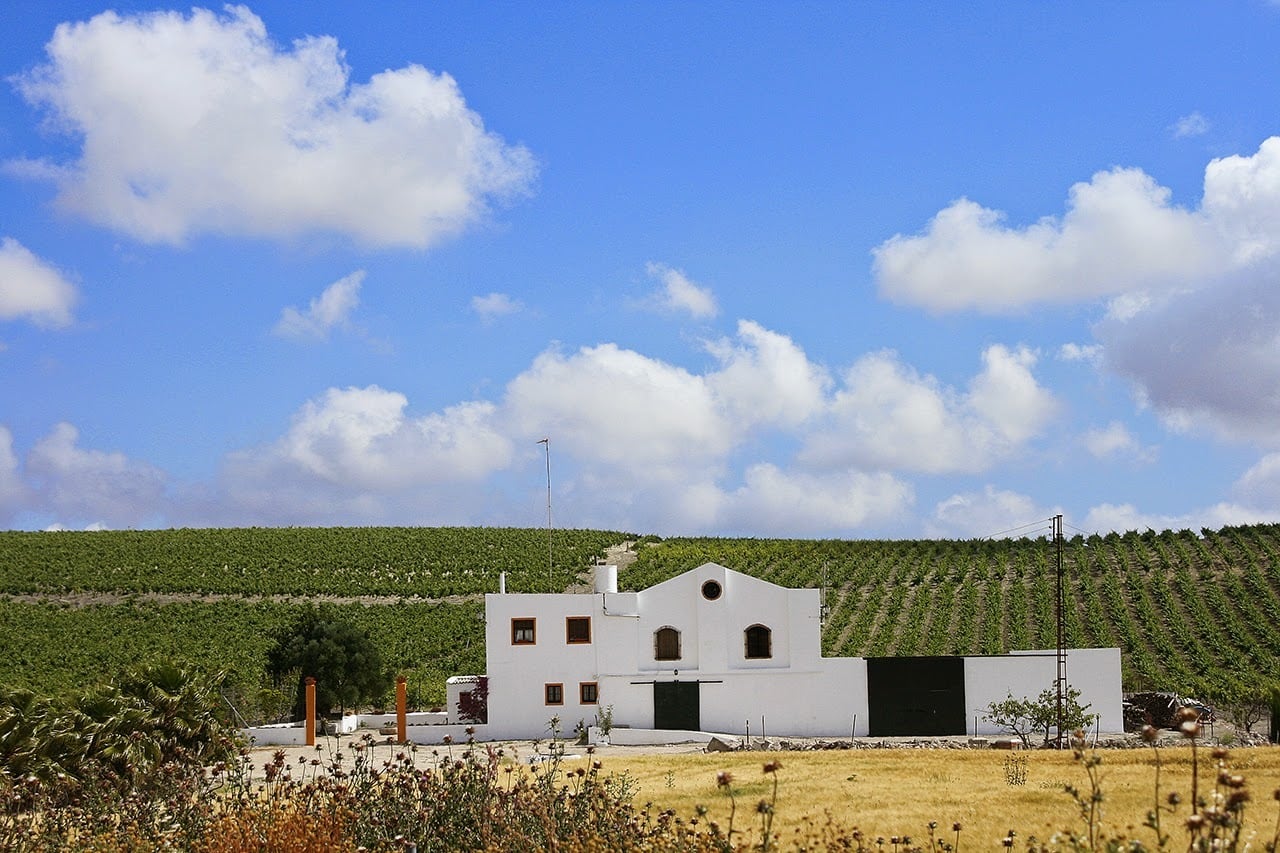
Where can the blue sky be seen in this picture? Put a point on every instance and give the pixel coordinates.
(853, 270)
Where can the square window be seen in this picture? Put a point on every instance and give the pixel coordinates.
(524, 632)
(577, 629)
(588, 693)
(554, 693)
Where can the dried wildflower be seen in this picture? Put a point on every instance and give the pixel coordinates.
(772, 766)
(1190, 729)
(1174, 798)
(1150, 734)
(1220, 753)
(1195, 821)
(724, 779)
(955, 827)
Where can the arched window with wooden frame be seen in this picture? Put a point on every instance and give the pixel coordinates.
(758, 642)
(666, 644)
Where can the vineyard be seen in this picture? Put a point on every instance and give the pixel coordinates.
(1193, 613)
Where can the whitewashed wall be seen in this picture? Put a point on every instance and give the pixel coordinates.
(1094, 672)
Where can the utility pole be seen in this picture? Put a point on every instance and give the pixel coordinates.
(546, 444)
(1061, 680)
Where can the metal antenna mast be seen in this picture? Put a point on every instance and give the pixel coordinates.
(1061, 680)
(546, 443)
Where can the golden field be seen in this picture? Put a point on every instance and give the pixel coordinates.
(899, 791)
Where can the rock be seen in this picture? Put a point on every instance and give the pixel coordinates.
(717, 745)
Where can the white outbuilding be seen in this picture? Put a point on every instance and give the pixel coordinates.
(714, 650)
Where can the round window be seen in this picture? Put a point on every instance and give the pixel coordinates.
(711, 590)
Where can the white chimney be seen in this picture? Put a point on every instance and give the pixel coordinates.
(606, 578)
(502, 583)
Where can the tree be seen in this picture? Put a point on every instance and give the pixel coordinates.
(473, 704)
(1024, 717)
(344, 661)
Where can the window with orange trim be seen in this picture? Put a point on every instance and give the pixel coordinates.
(524, 632)
(577, 629)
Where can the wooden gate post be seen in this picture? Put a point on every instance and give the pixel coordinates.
(310, 721)
(402, 702)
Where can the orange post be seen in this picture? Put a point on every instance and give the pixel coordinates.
(402, 702)
(310, 721)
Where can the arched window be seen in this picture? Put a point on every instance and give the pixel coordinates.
(666, 644)
(759, 642)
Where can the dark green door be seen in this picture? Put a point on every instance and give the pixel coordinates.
(675, 705)
(915, 696)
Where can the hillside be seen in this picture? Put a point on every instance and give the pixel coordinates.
(1194, 613)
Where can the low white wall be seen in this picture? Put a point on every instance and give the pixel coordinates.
(278, 734)
(416, 718)
(1024, 674)
(421, 727)
(657, 737)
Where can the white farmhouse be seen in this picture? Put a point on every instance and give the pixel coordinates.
(714, 650)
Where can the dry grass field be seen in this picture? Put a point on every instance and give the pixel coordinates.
(898, 792)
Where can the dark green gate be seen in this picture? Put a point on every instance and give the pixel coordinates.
(915, 696)
(675, 705)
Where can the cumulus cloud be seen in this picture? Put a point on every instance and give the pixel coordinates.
(1192, 124)
(331, 309)
(886, 416)
(1120, 518)
(200, 123)
(12, 489)
(774, 501)
(988, 514)
(32, 288)
(1260, 485)
(1115, 440)
(92, 485)
(681, 295)
(1192, 307)
(1209, 359)
(766, 378)
(622, 409)
(1090, 353)
(1120, 233)
(494, 305)
(362, 440)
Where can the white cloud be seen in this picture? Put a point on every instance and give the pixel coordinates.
(1115, 440)
(12, 489)
(32, 288)
(888, 417)
(92, 485)
(361, 440)
(1192, 308)
(1192, 124)
(1120, 518)
(680, 294)
(1090, 353)
(331, 309)
(774, 501)
(620, 408)
(991, 513)
(1260, 485)
(201, 123)
(766, 378)
(494, 305)
(1242, 199)
(1208, 359)
(1120, 233)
